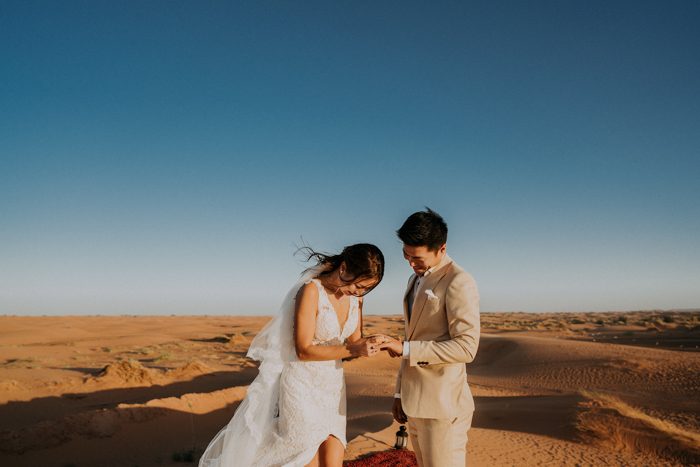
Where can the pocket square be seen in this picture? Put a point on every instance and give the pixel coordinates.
(431, 295)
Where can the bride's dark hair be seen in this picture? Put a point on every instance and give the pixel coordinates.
(362, 261)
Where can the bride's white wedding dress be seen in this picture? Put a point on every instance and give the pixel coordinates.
(292, 406)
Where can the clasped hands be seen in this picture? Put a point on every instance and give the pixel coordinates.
(371, 345)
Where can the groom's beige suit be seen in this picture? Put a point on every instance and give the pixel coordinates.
(442, 334)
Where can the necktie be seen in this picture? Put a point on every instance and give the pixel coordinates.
(412, 296)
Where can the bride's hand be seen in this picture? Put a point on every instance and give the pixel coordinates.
(363, 348)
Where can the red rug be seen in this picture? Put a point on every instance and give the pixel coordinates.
(392, 458)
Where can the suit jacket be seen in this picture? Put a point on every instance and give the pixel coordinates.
(443, 335)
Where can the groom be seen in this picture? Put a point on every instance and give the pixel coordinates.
(441, 310)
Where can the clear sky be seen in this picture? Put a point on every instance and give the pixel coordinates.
(165, 157)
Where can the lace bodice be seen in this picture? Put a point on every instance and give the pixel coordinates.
(328, 330)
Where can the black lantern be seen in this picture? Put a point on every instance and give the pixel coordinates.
(401, 438)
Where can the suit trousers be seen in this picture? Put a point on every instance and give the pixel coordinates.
(440, 442)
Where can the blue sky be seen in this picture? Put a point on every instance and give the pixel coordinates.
(165, 157)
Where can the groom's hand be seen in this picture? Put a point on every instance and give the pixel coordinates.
(378, 338)
(398, 412)
(394, 347)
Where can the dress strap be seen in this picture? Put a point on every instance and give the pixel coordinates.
(319, 286)
(322, 295)
(354, 304)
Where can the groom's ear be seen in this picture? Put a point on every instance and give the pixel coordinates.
(443, 248)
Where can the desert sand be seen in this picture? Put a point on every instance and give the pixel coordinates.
(550, 389)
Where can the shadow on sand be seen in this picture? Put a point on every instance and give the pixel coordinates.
(19, 414)
(89, 429)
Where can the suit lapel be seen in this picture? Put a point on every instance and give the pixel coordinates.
(421, 297)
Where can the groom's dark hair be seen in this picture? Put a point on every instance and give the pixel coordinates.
(424, 228)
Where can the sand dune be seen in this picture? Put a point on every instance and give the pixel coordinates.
(550, 389)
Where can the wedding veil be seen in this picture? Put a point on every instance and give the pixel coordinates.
(239, 442)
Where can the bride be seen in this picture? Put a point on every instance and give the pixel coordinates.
(294, 412)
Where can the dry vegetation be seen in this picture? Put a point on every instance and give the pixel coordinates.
(677, 330)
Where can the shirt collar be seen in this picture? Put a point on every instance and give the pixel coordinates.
(429, 271)
(445, 259)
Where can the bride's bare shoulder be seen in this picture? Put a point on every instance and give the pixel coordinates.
(308, 291)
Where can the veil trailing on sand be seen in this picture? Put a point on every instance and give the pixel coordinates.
(239, 442)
